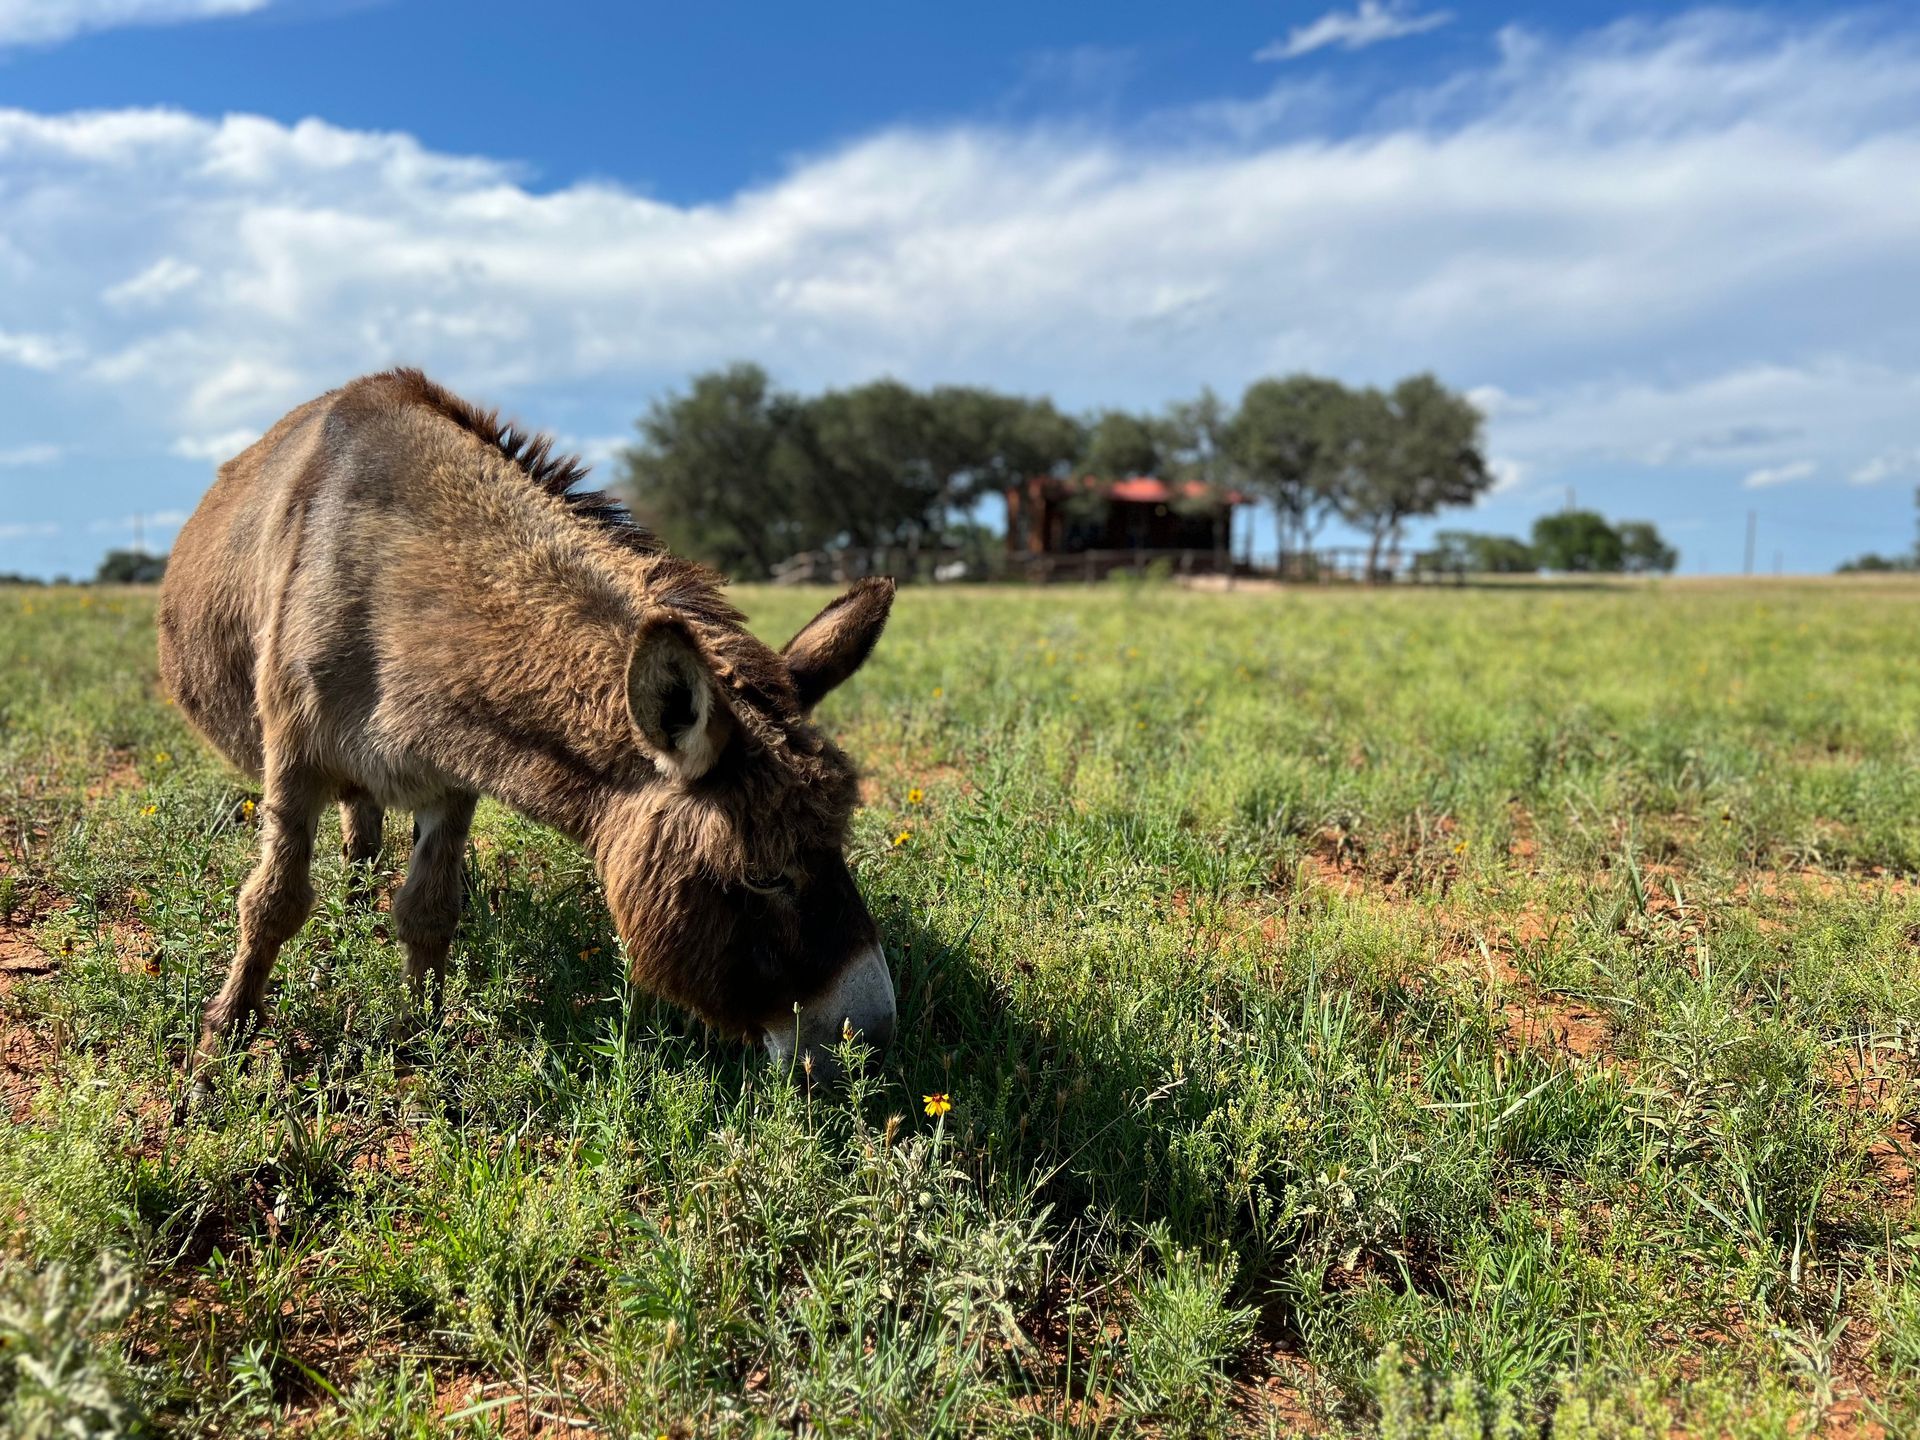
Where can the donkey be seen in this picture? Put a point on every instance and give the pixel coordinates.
(395, 601)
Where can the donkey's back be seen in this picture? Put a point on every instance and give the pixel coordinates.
(307, 545)
(225, 574)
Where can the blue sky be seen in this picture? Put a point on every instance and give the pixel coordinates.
(1674, 252)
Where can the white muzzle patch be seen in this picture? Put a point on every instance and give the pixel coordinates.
(861, 997)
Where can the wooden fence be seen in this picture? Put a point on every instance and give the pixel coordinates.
(1335, 565)
(1332, 566)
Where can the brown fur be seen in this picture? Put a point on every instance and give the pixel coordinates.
(393, 600)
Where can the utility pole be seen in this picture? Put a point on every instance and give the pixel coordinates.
(1753, 519)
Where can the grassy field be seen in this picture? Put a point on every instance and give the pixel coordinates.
(1419, 1014)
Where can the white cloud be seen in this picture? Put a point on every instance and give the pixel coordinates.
(39, 531)
(1597, 235)
(1497, 404)
(1887, 465)
(598, 451)
(1753, 416)
(22, 455)
(47, 22)
(1508, 475)
(165, 276)
(1772, 475)
(34, 352)
(217, 448)
(1369, 24)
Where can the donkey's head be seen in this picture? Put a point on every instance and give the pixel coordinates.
(729, 882)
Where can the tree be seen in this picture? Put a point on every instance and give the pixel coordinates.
(875, 475)
(1642, 551)
(1577, 542)
(1407, 452)
(1196, 459)
(892, 465)
(131, 567)
(723, 472)
(1287, 442)
(1194, 441)
(1121, 445)
(1464, 550)
(1872, 564)
(983, 442)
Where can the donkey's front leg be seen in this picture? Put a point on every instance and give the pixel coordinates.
(426, 909)
(274, 902)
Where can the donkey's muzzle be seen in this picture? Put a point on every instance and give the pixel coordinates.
(858, 1002)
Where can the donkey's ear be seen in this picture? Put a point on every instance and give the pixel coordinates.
(674, 701)
(838, 640)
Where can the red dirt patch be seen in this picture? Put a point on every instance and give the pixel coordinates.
(121, 774)
(887, 775)
(1530, 1018)
(1848, 1420)
(1789, 885)
(1339, 875)
(1334, 861)
(1892, 1159)
(506, 1407)
(24, 1054)
(1875, 1081)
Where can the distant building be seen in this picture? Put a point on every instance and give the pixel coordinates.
(1083, 525)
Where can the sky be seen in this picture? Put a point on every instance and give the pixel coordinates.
(1672, 252)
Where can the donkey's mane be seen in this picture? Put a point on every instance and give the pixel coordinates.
(531, 452)
(756, 677)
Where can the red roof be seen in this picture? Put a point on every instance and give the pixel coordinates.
(1140, 487)
(1143, 489)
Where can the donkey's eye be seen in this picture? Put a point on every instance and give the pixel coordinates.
(774, 884)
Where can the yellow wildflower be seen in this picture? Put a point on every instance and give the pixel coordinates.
(937, 1103)
(150, 810)
(938, 691)
(902, 838)
(916, 795)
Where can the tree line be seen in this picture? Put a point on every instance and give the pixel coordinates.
(741, 474)
(118, 567)
(1575, 542)
(1873, 561)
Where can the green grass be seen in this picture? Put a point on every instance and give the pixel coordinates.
(1221, 918)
